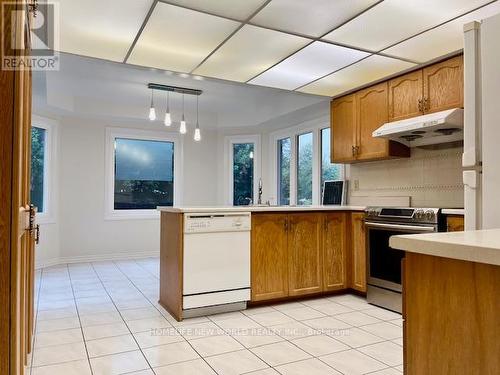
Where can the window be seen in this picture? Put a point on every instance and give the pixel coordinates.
(329, 171)
(243, 154)
(38, 167)
(304, 169)
(284, 154)
(144, 174)
(140, 173)
(242, 169)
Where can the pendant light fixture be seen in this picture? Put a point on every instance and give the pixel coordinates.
(183, 128)
(152, 112)
(197, 133)
(168, 116)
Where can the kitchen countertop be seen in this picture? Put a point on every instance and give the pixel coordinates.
(258, 208)
(453, 211)
(481, 246)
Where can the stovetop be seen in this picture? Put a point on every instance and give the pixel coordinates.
(403, 214)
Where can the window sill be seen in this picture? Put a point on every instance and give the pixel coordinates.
(132, 215)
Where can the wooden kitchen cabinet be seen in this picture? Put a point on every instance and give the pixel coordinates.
(334, 251)
(444, 85)
(358, 256)
(269, 256)
(454, 223)
(343, 133)
(304, 253)
(405, 96)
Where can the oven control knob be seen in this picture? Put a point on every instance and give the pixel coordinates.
(419, 214)
(430, 215)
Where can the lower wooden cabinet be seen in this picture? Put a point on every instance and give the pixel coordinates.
(269, 259)
(334, 251)
(455, 223)
(304, 253)
(358, 259)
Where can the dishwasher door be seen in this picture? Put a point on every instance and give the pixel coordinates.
(216, 253)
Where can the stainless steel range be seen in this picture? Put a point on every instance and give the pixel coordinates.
(384, 263)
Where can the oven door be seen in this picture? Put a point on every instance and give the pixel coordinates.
(384, 262)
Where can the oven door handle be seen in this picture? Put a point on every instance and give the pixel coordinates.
(419, 228)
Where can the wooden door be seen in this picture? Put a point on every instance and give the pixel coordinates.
(371, 113)
(269, 261)
(444, 85)
(16, 242)
(455, 223)
(358, 242)
(304, 253)
(405, 96)
(343, 132)
(334, 246)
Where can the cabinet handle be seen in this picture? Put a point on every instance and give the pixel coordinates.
(356, 150)
(420, 108)
(353, 150)
(285, 225)
(426, 104)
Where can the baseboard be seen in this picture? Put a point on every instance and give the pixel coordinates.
(96, 258)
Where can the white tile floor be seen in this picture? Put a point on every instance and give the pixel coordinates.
(103, 318)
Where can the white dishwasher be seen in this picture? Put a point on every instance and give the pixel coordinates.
(216, 264)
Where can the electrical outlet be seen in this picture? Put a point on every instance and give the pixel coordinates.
(356, 184)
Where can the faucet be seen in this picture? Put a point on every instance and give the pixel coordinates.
(259, 200)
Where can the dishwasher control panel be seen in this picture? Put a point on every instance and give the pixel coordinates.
(202, 223)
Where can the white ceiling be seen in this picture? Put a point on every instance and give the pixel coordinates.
(103, 90)
(315, 46)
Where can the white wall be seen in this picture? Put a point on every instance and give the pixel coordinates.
(80, 231)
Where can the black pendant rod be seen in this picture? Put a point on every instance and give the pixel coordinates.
(177, 89)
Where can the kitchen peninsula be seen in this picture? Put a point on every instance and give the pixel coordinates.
(264, 253)
(451, 302)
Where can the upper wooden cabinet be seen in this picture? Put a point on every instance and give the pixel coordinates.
(432, 89)
(334, 251)
(304, 253)
(444, 85)
(405, 96)
(343, 134)
(353, 120)
(269, 260)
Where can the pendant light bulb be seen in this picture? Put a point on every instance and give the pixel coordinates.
(197, 132)
(152, 112)
(183, 128)
(168, 117)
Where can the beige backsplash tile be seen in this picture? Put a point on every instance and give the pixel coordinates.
(432, 178)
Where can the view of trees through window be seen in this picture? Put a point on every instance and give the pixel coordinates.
(243, 170)
(37, 166)
(304, 168)
(144, 174)
(329, 171)
(284, 154)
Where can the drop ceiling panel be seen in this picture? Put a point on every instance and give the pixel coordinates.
(392, 21)
(441, 40)
(310, 63)
(95, 28)
(250, 51)
(368, 70)
(312, 17)
(179, 39)
(238, 9)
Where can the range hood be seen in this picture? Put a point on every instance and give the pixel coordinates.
(434, 128)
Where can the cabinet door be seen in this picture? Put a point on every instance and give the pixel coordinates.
(371, 113)
(342, 119)
(304, 253)
(358, 252)
(454, 223)
(444, 85)
(405, 93)
(334, 251)
(269, 266)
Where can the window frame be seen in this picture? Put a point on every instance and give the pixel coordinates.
(146, 135)
(314, 126)
(48, 216)
(228, 165)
